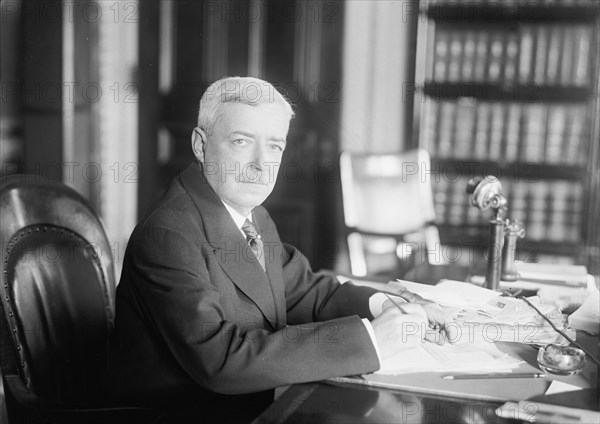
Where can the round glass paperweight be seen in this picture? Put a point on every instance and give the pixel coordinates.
(561, 360)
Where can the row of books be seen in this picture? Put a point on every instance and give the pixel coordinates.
(544, 54)
(512, 3)
(549, 210)
(553, 133)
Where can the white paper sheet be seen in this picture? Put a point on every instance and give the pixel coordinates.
(452, 293)
(560, 387)
(466, 357)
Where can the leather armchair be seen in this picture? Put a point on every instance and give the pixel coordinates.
(58, 305)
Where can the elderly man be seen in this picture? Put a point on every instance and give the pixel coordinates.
(212, 308)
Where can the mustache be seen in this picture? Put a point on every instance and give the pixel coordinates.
(253, 181)
(249, 173)
(254, 176)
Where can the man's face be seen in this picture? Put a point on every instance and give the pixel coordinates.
(243, 154)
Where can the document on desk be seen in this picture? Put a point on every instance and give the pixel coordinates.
(484, 315)
(450, 293)
(565, 285)
(587, 317)
(463, 357)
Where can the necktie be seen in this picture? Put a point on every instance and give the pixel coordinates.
(254, 241)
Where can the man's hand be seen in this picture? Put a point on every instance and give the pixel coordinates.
(396, 331)
(440, 321)
(441, 325)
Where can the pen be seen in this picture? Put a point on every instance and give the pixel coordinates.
(395, 304)
(497, 375)
(430, 333)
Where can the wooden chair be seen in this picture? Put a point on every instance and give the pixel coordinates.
(389, 212)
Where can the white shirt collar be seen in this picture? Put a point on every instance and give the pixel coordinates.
(237, 217)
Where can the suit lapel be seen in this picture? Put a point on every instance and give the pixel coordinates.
(228, 244)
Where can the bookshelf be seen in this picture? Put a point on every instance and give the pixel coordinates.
(510, 88)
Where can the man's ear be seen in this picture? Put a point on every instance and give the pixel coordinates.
(198, 143)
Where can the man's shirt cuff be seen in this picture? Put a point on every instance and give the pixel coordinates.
(377, 300)
(371, 332)
(376, 307)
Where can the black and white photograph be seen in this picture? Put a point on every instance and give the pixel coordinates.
(299, 211)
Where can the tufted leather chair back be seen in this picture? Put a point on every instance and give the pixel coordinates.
(58, 288)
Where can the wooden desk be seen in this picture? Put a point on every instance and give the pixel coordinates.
(327, 403)
(425, 398)
(432, 383)
(335, 402)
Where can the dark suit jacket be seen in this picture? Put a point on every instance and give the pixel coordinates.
(198, 318)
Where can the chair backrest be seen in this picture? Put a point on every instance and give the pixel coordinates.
(388, 212)
(58, 289)
(387, 193)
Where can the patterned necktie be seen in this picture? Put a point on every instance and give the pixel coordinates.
(255, 243)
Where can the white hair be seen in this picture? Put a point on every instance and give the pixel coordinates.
(246, 90)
